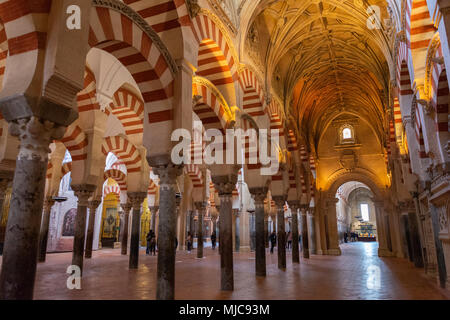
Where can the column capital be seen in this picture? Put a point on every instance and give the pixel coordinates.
(35, 136)
(153, 209)
(225, 184)
(93, 204)
(83, 192)
(136, 199)
(168, 175)
(331, 201)
(126, 207)
(200, 205)
(294, 204)
(259, 194)
(279, 200)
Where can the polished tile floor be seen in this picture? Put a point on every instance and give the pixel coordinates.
(358, 274)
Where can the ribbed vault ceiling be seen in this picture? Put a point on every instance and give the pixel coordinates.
(322, 59)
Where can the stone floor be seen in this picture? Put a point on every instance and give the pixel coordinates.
(350, 276)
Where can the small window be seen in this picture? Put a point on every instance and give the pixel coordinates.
(347, 133)
(365, 211)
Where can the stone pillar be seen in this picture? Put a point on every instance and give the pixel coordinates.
(136, 199)
(93, 205)
(266, 229)
(201, 208)
(22, 231)
(383, 250)
(281, 236)
(333, 248)
(293, 205)
(43, 236)
(225, 186)
(305, 235)
(418, 225)
(441, 264)
(259, 195)
(126, 207)
(83, 192)
(311, 231)
(165, 289)
(236, 221)
(153, 211)
(252, 227)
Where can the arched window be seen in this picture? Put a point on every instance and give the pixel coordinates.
(347, 133)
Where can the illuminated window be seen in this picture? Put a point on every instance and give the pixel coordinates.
(365, 211)
(347, 133)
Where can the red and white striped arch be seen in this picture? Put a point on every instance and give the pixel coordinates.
(118, 176)
(3, 52)
(210, 108)
(76, 142)
(161, 15)
(276, 120)
(66, 168)
(251, 150)
(124, 150)
(152, 188)
(253, 99)
(398, 123)
(129, 109)
(419, 31)
(24, 39)
(114, 189)
(195, 175)
(217, 58)
(442, 113)
(117, 34)
(87, 98)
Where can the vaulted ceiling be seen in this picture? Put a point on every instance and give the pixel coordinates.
(322, 59)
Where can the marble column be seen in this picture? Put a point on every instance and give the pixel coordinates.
(259, 194)
(236, 221)
(311, 231)
(305, 235)
(83, 192)
(225, 186)
(281, 236)
(43, 236)
(266, 229)
(153, 210)
(201, 209)
(126, 207)
(165, 289)
(136, 199)
(252, 227)
(22, 231)
(93, 205)
(294, 229)
(440, 257)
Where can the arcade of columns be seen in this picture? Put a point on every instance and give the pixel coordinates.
(135, 71)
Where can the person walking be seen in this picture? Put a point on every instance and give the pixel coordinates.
(289, 240)
(189, 242)
(273, 241)
(152, 243)
(213, 240)
(148, 238)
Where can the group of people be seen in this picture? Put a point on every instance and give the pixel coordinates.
(151, 243)
(190, 241)
(350, 236)
(273, 240)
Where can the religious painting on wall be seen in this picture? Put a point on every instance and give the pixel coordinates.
(109, 223)
(69, 223)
